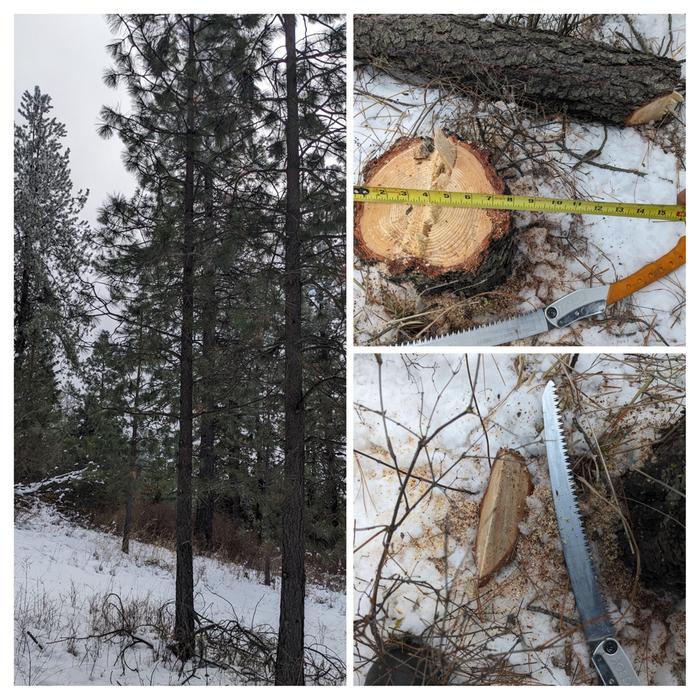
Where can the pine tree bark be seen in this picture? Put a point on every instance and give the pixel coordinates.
(262, 473)
(563, 75)
(184, 584)
(204, 519)
(289, 668)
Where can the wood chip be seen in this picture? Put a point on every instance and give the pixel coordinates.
(655, 109)
(502, 509)
(447, 151)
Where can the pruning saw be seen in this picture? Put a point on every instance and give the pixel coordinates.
(582, 303)
(609, 658)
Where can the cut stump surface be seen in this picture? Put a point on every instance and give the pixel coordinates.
(432, 240)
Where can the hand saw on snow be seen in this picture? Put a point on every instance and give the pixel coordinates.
(582, 303)
(609, 659)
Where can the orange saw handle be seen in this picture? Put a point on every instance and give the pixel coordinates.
(649, 273)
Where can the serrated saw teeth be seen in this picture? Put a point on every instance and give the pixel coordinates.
(496, 333)
(575, 545)
(455, 334)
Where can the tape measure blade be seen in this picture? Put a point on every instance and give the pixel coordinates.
(388, 195)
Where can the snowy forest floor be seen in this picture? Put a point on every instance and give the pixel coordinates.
(543, 157)
(520, 627)
(85, 613)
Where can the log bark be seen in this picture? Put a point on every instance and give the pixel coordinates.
(562, 75)
(409, 661)
(444, 248)
(502, 509)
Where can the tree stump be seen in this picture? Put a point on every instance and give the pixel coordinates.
(441, 248)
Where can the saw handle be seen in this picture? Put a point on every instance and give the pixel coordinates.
(649, 273)
(613, 665)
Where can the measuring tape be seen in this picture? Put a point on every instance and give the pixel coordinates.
(512, 202)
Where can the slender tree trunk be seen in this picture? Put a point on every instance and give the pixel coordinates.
(24, 312)
(267, 571)
(184, 585)
(204, 520)
(132, 467)
(289, 669)
(262, 468)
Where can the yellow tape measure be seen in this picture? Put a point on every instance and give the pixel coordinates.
(397, 195)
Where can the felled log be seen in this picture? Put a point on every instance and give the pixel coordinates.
(502, 509)
(467, 250)
(563, 75)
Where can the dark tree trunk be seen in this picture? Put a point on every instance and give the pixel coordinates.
(289, 669)
(133, 467)
(24, 312)
(204, 520)
(585, 79)
(184, 593)
(262, 451)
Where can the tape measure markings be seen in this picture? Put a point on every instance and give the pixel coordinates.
(397, 195)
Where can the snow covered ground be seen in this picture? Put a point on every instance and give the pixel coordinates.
(556, 254)
(428, 582)
(74, 587)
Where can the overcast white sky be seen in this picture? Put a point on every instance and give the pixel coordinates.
(65, 56)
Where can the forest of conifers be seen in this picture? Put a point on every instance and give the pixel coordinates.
(184, 359)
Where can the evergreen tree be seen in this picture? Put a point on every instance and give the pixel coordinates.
(182, 124)
(50, 262)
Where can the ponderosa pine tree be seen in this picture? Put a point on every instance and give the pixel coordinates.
(314, 255)
(50, 262)
(184, 125)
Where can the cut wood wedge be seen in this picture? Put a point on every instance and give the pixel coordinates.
(502, 509)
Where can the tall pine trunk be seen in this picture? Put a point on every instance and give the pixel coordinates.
(289, 669)
(204, 519)
(132, 467)
(24, 313)
(184, 594)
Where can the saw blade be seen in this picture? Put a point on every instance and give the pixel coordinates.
(584, 583)
(496, 333)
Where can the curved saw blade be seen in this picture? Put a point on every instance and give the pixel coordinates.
(591, 608)
(497, 333)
